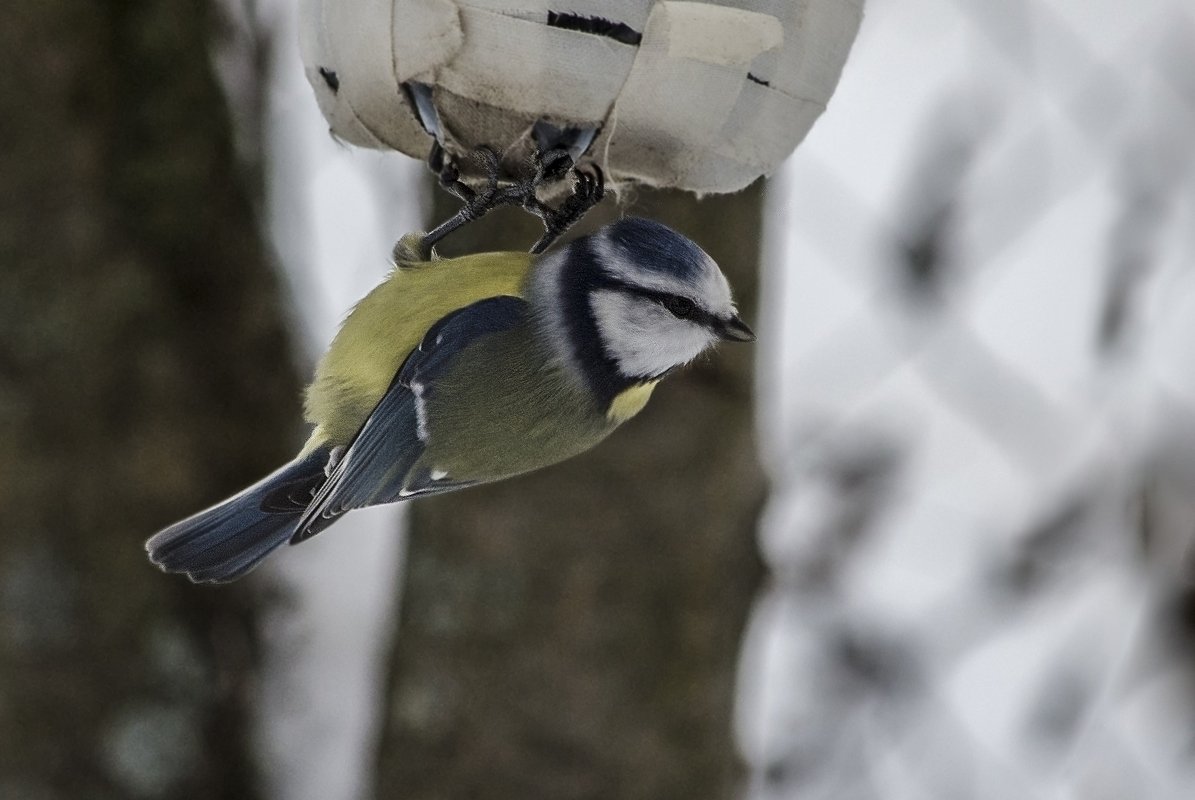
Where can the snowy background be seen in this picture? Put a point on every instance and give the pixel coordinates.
(979, 400)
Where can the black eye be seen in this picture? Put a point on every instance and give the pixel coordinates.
(681, 307)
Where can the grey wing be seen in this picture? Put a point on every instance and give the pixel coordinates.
(376, 467)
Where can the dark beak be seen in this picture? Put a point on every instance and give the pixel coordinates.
(734, 330)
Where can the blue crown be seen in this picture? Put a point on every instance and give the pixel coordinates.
(657, 248)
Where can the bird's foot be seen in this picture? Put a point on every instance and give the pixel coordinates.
(476, 204)
(549, 167)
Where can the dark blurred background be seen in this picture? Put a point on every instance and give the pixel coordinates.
(974, 403)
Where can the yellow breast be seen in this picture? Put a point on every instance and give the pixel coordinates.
(630, 402)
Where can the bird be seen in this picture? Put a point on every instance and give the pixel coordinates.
(458, 371)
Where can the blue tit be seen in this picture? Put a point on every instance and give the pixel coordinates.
(454, 372)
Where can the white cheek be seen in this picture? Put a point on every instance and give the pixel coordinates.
(642, 337)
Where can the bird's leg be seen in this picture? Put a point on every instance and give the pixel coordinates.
(476, 204)
(550, 166)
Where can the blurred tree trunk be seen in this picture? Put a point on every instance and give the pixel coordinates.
(573, 633)
(143, 366)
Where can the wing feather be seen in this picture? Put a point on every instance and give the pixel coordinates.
(389, 323)
(377, 467)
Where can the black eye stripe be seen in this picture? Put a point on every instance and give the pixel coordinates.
(696, 314)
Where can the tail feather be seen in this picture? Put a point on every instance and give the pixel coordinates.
(231, 538)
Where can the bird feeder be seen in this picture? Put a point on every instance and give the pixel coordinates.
(701, 96)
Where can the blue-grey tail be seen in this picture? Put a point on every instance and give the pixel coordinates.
(231, 538)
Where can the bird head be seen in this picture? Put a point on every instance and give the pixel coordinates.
(631, 302)
(657, 300)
